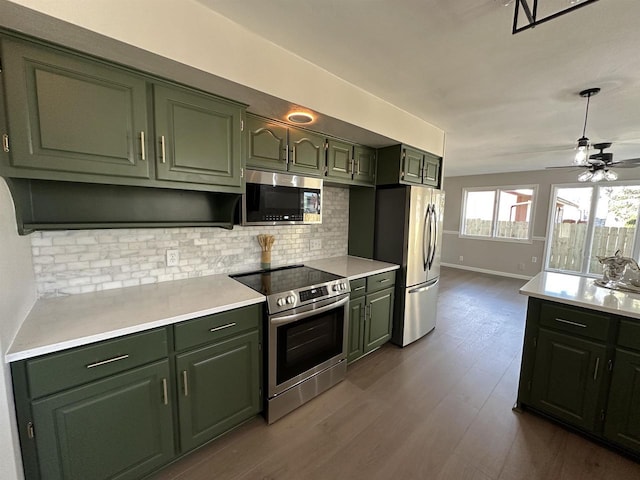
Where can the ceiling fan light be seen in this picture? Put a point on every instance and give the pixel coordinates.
(585, 176)
(598, 175)
(581, 156)
(610, 176)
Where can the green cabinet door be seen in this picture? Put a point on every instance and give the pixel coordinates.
(69, 115)
(364, 170)
(378, 324)
(117, 428)
(568, 378)
(622, 424)
(412, 163)
(198, 137)
(339, 159)
(266, 144)
(306, 152)
(219, 387)
(431, 171)
(356, 329)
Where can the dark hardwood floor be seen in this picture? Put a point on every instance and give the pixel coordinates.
(437, 409)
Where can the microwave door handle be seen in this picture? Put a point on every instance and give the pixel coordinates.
(299, 316)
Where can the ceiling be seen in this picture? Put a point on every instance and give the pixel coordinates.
(506, 102)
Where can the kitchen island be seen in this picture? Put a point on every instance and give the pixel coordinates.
(581, 358)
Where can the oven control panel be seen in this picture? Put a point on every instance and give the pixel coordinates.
(312, 293)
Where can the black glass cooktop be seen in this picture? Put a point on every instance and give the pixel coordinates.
(284, 279)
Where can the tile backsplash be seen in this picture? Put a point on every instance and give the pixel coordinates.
(80, 261)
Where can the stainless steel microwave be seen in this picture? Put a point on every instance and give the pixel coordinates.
(281, 199)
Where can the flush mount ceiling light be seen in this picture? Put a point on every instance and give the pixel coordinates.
(530, 13)
(583, 142)
(300, 117)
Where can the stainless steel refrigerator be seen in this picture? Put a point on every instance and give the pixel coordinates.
(408, 232)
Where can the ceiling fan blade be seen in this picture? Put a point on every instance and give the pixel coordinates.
(574, 167)
(628, 163)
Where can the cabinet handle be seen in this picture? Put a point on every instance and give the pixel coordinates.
(293, 155)
(163, 149)
(228, 325)
(142, 147)
(165, 396)
(383, 280)
(569, 322)
(595, 370)
(5, 143)
(109, 360)
(185, 383)
(359, 288)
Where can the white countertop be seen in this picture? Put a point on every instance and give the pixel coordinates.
(55, 324)
(582, 292)
(351, 267)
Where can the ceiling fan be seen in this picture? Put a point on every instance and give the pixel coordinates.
(597, 165)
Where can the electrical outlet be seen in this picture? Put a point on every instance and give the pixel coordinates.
(460, 258)
(173, 258)
(534, 259)
(315, 244)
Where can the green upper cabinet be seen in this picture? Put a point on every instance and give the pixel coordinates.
(431, 170)
(198, 137)
(119, 427)
(266, 144)
(407, 165)
(306, 152)
(339, 159)
(364, 169)
(412, 164)
(69, 115)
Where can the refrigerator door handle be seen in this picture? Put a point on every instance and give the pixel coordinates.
(428, 285)
(434, 237)
(426, 242)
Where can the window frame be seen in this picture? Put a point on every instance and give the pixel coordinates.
(584, 267)
(494, 218)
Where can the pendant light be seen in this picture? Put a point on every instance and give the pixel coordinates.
(582, 148)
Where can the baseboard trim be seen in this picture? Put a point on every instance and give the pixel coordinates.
(490, 272)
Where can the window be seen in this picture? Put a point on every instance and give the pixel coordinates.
(587, 222)
(499, 213)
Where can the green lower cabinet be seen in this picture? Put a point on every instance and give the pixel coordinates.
(219, 387)
(379, 320)
(568, 378)
(117, 428)
(356, 329)
(370, 315)
(622, 424)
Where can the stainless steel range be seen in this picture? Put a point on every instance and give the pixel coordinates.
(307, 319)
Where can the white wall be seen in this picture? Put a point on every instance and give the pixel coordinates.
(187, 32)
(17, 296)
(501, 256)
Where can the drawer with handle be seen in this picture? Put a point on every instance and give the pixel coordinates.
(358, 287)
(629, 334)
(381, 281)
(212, 328)
(575, 321)
(59, 371)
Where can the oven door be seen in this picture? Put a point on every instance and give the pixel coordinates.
(306, 341)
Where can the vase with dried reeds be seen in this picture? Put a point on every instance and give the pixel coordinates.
(266, 243)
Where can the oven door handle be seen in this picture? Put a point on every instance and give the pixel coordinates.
(299, 316)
